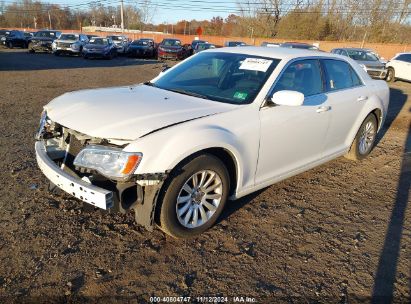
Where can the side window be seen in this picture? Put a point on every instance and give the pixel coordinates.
(302, 76)
(338, 74)
(337, 51)
(404, 57)
(356, 81)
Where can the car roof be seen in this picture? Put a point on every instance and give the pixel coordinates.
(278, 53)
(354, 49)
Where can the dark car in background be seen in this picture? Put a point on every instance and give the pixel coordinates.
(299, 45)
(142, 48)
(15, 39)
(42, 41)
(203, 46)
(89, 37)
(100, 48)
(367, 59)
(172, 49)
(234, 43)
(194, 44)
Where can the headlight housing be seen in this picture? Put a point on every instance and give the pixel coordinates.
(42, 125)
(110, 162)
(363, 66)
(75, 46)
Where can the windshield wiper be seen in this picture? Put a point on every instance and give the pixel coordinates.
(149, 83)
(181, 91)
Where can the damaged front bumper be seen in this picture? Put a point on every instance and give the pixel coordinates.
(139, 193)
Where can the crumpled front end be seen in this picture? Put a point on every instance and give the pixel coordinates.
(57, 148)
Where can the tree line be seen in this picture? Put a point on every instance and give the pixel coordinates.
(387, 21)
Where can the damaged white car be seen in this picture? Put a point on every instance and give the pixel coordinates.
(217, 126)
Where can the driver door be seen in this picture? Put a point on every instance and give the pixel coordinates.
(293, 137)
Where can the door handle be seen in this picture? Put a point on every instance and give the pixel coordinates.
(362, 98)
(323, 109)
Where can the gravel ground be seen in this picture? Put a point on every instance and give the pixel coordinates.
(339, 233)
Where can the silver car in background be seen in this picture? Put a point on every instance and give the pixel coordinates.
(367, 59)
(69, 43)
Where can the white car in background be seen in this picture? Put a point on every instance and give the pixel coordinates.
(399, 67)
(219, 125)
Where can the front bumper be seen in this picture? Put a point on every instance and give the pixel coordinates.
(377, 73)
(66, 50)
(42, 46)
(80, 189)
(140, 194)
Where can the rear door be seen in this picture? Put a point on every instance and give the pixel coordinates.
(346, 95)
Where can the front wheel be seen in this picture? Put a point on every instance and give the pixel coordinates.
(194, 197)
(390, 75)
(364, 140)
(10, 45)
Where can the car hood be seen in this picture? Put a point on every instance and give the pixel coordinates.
(127, 113)
(96, 46)
(168, 47)
(135, 46)
(371, 64)
(67, 41)
(42, 39)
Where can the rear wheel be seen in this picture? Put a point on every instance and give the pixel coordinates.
(194, 197)
(390, 75)
(364, 140)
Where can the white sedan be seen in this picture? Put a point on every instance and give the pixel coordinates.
(217, 126)
(399, 67)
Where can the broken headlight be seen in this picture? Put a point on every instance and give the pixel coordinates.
(110, 162)
(42, 126)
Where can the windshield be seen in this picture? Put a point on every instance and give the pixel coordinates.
(205, 46)
(171, 42)
(224, 77)
(68, 37)
(99, 41)
(46, 34)
(236, 43)
(116, 38)
(361, 55)
(140, 42)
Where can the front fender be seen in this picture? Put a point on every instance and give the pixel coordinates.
(164, 149)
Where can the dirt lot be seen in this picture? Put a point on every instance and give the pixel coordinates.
(339, 233)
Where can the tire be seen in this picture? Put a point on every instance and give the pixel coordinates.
(56, 53)
(10, 45)
(390, 75)
(364, 140)
(193, 204)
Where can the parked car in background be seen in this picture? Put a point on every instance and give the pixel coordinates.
(69, 43)
(299, 45)
(218, 126)
(366, 59)
(42, 41)
(203, 46)
(15, 39)
(172, 49)
(121, 43)
(4, 33)
(100, 48)
(270, 44)
(89, 37)
(399, 67)
(234, 43)
(142, 48)
(194, 45)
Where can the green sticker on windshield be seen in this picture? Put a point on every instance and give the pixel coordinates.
(240, 95)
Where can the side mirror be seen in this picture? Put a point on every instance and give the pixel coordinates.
(288, 98)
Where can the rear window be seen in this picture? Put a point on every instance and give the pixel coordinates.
(339, 75)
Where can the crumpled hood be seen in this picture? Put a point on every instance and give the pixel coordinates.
(128, 113)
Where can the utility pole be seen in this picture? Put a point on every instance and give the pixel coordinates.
(49, 19)
(122, 16)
